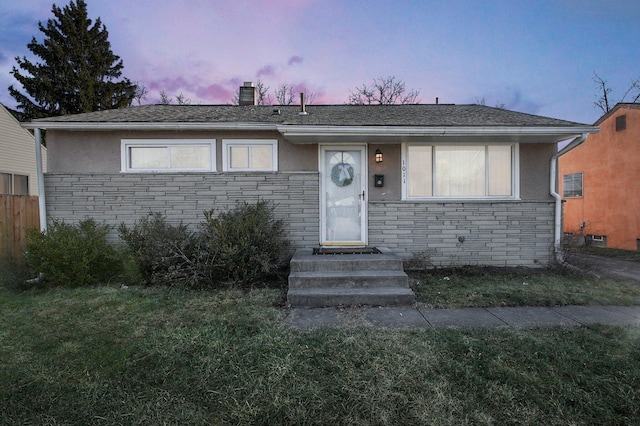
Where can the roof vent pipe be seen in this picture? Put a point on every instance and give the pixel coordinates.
(303, 107)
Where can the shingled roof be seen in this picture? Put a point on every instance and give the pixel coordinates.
(431, 115)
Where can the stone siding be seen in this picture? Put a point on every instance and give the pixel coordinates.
(182, 197)
(469, 233)
(422, 233)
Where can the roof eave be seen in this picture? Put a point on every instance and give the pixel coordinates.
(315, 134)
(102, 126)
(309, 134)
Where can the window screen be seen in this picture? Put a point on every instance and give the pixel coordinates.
(572, 185)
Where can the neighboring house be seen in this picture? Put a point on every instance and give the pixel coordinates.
(600, 182)
(18, 174)
(442, 184)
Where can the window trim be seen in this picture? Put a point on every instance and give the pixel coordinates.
(126, 144)
(227, 144)
(12, 183)
(515, 173)
(564, 186)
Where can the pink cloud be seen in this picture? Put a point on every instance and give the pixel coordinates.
(215, 93)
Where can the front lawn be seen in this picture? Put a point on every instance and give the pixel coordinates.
(148, 356)
(485, 287)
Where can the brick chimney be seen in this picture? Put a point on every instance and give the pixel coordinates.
(248, 94)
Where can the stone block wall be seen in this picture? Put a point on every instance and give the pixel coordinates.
(182, 197)
(438, 234)
(469, 233)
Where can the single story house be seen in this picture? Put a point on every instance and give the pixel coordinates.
(442, 184)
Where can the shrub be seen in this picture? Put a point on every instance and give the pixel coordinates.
(73, 255)
(242, 246)
(166, 254)
(247, 243)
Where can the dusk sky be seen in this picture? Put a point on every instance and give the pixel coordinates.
(532, 56)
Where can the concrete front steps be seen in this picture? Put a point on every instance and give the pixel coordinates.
(348, 279)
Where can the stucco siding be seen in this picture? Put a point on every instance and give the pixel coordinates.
(609, 161)
(99, 152)
(474, 233)
(116, 198)
(535, 163)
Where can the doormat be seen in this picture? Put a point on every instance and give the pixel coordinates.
(345, 250)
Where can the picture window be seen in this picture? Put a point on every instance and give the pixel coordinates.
(460, 171)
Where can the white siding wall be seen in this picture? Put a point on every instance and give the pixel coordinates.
(17, 150)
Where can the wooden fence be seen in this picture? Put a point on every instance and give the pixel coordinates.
(17, 214)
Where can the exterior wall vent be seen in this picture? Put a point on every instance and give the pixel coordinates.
(248, 94)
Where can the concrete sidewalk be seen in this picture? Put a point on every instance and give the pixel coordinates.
(513, 317)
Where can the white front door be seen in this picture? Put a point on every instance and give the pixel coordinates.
(343, 195)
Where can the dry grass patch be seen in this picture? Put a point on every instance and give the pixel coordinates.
(484, 287)
(106, 355)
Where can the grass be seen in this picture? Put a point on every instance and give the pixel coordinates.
(608, 252)
(484, 287)
(150, 356)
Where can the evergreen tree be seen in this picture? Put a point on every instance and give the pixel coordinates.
(78, 71)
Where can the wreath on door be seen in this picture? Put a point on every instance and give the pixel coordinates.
(342, 174)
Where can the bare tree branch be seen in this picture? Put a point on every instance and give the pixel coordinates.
(635, 86)
(601, 86)
(141, 93)
(182, 100)
(482, 101)
(309, 97)
(284, 94)
(383, 91)
(263, 93)
(604, 101)
(164, 98)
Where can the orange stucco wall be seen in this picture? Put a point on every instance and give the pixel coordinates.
(610, 163)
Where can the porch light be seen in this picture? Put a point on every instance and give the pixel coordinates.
(378, 156)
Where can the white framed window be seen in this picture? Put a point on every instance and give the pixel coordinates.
(241, 155)
(168, 155)
(460, 171)
(572, 185)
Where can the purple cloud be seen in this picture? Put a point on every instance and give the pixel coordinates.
(169, 84)
(267, 70)
(295, 59)
(517, 102)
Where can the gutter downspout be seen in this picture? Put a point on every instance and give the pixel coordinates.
(557, 242)
(40, 173)
(42, 210)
